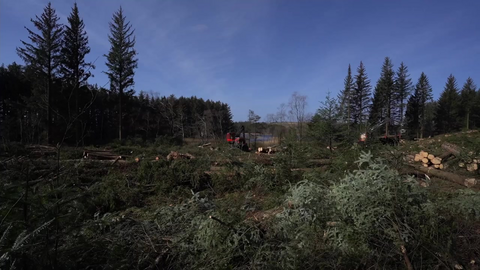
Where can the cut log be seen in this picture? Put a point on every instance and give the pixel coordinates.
(430, 156)
(425, 160)
(452, 148)
(176, 155)
(472, 167)
(425, 165)
(418, 157)
(204, 145)
(445, 155)
(423, 154)
(440, 166)
(470, 182)
(461, 165)
(455, 178)
(101, 155)
(436, 161)
(436, 166)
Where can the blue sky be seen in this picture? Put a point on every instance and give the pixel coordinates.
(253, 54)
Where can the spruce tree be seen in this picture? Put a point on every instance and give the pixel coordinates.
(360, 98)
(345, 98)
(412, 115)
(417, 114)
(121, 60)
(425, 95)
(75, 70)
(403, 88)
(383, 100)
(467, 101)
(43, 56)
(447, 111)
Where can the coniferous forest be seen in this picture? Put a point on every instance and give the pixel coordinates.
(49, 99)
(381, 176)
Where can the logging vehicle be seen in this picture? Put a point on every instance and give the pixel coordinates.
(238, 141)
(393, 137)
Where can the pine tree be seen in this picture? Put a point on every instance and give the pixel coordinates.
(75, 70)
(403, 88)
(417, 113)
(360, 98)
(345, 98)
(467, 101)
(121, 60)
(43, 56)
(383, 98)
(447, 111)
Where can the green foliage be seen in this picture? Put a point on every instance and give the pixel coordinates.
(379, 212)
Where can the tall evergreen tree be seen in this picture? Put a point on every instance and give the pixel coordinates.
(467, 101)
(345, 98)
(403, 88)
(447, 111)
(360, 98)
(75, 70)
(417, 113)
(43, 56)
(383, 104)
(121, 60)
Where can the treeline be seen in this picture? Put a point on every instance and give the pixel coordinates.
(49, 99)
(397, 104)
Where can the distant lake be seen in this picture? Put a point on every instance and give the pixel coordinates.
(262, 138)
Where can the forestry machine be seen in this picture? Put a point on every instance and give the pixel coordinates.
(390, 138)
(238, 141)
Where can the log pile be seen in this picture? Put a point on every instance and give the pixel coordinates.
(450, 155)
(268, 150)
(433, 165)
(429, 160)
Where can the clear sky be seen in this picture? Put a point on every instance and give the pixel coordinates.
(253, 54)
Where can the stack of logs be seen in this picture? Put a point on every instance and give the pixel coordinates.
(429, 160)
(452, 154)
(269, 150)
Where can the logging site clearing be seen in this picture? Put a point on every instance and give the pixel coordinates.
(209, 205)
